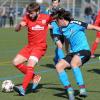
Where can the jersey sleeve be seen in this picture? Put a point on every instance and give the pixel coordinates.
(24, 19)
(55, 28)
(80, 23)
(97, 21)
(50, 19)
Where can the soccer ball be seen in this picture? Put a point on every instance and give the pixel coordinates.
(7, 86)
(39, 1)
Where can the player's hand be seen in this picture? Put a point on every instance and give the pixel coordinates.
(17, 28)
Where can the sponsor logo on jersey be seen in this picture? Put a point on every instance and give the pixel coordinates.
(38, 27)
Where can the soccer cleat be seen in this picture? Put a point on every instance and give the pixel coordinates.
(92, 56)
(83, 93)
(71, 95)
(19, 90)
(36, 81)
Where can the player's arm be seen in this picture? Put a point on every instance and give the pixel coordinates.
(89, 26)
(21, 24)
(93, 27)
(56, 39)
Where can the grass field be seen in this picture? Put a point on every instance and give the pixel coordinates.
(49, 87)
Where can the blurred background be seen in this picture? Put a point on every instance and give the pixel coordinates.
(12, 10)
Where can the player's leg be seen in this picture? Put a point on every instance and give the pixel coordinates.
(30, 70)
(18, 63)
(38, 54)
(75, 63)
(20, 58)
(95, 45)
(35, 81)
(63, 77)
(28, 76)
(77, 73)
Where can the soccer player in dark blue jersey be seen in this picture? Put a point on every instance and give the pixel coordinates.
(79, 51)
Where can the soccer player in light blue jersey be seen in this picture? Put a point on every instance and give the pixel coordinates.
(57, 36)
(79, 51)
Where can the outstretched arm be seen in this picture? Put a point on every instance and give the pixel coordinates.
(93, 27)
(21, 24)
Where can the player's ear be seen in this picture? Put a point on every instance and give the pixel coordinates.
(38, 12)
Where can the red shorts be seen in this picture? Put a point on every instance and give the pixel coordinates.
(28, 51)
(98, 34)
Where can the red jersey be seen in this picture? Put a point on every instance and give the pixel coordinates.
(97, 23)
(37, 30)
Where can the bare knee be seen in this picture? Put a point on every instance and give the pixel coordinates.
(15, 62)
(61, 65)
(76, 61)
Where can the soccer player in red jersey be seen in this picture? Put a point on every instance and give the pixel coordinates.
(97, 40)
(37, 25)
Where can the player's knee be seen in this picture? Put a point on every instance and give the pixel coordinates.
(59, 46)
(75, 64)
(15, 62)
(59, 67)
(32, 61)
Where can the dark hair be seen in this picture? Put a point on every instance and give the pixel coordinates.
(63, 14)
(33, 7)
(55, 0)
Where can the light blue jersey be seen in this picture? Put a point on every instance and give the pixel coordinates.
(55, 28)
(75, 33)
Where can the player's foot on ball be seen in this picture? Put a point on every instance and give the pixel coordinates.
(83, 93)
(19, 90)
(36, 81)
(71, 95)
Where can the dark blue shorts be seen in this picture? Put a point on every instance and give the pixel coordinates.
(83, 54)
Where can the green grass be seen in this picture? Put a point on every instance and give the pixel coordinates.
(49, 87)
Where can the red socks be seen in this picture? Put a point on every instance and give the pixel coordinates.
(22, 68)
(28, 77)
(94, 46)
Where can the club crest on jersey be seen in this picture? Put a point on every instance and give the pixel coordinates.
(38, 27)
(43, 21)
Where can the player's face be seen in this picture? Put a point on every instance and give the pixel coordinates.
(55, 4)
(62, 22)
(33, 15)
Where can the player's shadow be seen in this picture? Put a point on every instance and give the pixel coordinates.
(93, 91)
(40, 86)
(97, 55)
(97, 71)
(52, 66)
(62, 93)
